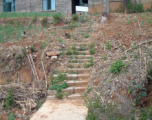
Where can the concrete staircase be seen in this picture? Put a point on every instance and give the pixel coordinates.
(78, 81)
(72, 106)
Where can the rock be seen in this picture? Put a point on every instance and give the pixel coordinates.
(54, 58)
(52, 53)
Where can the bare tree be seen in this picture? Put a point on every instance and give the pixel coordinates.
(125, 4)
(106, 10)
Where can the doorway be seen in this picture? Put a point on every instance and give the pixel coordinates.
(77, 3)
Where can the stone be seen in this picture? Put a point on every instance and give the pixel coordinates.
(54, 58)
(52, 53)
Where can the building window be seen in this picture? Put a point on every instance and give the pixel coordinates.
(9, 5)
(48, 4)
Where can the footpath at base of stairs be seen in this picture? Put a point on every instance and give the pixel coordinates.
(62, 110)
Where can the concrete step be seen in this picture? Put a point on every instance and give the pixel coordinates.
(78, 56)
(78, 70)
(77, 65)
(79, 52)
(76, 96)
(75, 76)
(78, 83)
(74, 90)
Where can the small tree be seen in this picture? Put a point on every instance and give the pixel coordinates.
(125, 4)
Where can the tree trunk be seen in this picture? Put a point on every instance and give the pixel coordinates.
(106, 10)
(125, 4)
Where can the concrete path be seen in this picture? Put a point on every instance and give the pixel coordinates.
(61, 110)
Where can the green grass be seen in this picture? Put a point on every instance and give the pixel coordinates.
(25, 14)
(60, 40)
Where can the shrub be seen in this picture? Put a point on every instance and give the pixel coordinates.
(44, 22)
(57, 17)
(9, 101)
(59, 95)
(75, 17)
(116, 67)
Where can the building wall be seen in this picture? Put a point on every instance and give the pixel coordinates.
(28, 5)
(1, 6)
(64, 6)
(96, 5)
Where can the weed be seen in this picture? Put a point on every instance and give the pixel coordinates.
(69, 52)
(149, 21)
(87, 36)
(74, 24)
(43, 45)
(73, 47)
(39, 103)
(108, 44)
(9, 101)
(9, 80)
(128, 22)
(34, 19)
(59, 95)
(74, 61)
(142, 23)
(57, 17)
(75, 52)
(116, 67)
(32, 48)
(81, 48)
(59, 87)
(92, 48)
(91, 62)
(117, 24)
(83, 19)
(83, 53)
(135, 20)
(146, 114)
(86, 65)
(44, 22)
(72, 72)
(105, 57)
(60, 40)
(11, 116)
(75, 17)
(11, 22)
(79, 66)
(70, 66)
